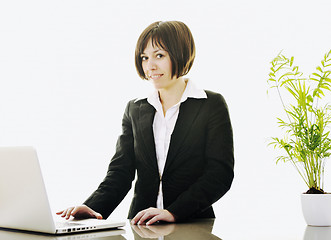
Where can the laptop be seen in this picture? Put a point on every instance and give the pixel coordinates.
(24, 203)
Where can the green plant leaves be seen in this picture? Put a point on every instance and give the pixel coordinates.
(306, 141)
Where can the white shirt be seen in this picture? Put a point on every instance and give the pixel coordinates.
(164, 125)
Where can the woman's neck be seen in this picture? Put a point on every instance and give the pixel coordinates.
(171, 96)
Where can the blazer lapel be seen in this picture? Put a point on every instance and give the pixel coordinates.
(146, 117)
(187, 114)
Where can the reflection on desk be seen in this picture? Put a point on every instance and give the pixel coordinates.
(317, 233)
(97, 235)
(193, 230)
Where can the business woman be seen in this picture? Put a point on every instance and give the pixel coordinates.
(178, 140)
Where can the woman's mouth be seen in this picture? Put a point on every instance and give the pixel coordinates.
(155, 76)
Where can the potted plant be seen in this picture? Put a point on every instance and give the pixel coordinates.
(306, 142)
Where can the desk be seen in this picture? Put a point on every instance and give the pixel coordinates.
(195, 230)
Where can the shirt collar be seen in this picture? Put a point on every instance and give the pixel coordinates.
(191, 91)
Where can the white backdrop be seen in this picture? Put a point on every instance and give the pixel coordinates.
(67, 72)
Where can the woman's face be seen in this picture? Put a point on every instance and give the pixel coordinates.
(157, 66)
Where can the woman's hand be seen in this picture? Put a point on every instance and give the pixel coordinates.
(82, 211)
(152, 215)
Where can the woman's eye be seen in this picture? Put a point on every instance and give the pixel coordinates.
(159, 55)
(143, 58)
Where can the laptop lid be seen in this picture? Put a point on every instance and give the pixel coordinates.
(24, 203)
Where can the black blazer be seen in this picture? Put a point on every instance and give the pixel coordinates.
(199, 165)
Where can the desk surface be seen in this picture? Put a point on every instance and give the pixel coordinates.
(195, 230)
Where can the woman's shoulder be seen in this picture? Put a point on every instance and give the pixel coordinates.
(137, 104)
(215, 102)
(138, 101)
(214, 96)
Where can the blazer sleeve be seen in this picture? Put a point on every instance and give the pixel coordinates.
(218, 173)
(120, 174)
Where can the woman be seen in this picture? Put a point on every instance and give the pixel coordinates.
(178, 140)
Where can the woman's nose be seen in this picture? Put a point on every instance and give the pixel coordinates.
(151, 65)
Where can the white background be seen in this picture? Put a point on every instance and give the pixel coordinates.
(67, 71)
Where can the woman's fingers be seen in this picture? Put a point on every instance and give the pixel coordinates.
(79, 212)
(152, 215)
(162, 215)
(63, 213)
(67, 213)
(148, 214)
(60, 212)
(137, 217)
(98, 215)
(155, 219)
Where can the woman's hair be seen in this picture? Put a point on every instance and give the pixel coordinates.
(175, 38)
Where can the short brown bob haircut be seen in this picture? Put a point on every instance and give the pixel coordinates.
(175, 38)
